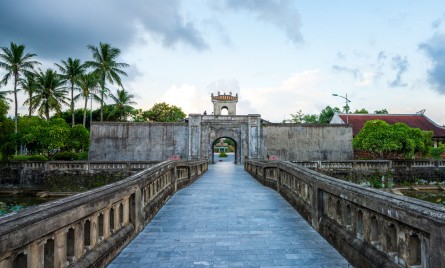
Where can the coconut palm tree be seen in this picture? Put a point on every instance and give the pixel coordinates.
(28, 84)
(88, 84)
(49, 94)
(16, 63)
(106, 67)
(3, 95)
(122, 106)
(70, 70)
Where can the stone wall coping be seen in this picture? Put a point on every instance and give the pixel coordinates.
(305, 125)
(142, 123)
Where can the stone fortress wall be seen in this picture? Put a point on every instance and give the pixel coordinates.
(194, 140)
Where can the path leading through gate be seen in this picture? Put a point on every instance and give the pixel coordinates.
(228, 219)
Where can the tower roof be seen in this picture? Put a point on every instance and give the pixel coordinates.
(225, 97)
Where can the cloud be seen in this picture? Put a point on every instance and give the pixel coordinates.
(281, 14)
(53, 27)
(436, 24)
(277, 102)
(434, 48)
(188, 97)
(356, 73)
(224, 86)
(401, 66)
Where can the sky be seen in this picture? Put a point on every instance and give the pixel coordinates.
(280, 56)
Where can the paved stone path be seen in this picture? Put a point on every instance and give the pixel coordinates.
(228, 219)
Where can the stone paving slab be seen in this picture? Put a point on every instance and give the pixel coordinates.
(228, 219)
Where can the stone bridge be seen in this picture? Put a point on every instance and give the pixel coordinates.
(230, 218)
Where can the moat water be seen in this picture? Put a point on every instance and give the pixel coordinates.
(15, 202)
(433, 196)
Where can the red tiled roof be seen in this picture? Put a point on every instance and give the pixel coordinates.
(412, 120)
(225, 98)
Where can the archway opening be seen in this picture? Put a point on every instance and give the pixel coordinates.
(224, 149)
(224, 110)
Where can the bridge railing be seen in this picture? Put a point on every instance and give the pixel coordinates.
(370, 227)
(89, 229)
(82, 165)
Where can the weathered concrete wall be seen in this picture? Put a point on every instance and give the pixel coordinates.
(66, 175)
(296, 142)
(138, 141)
(194, 139)
(371, 228)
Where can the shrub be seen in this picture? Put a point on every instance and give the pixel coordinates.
(66, 156)
(222, 154)
(83, 156)
(437, 153)
(23, 157)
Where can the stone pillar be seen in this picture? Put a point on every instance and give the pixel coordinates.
(78, 240)
(175, 178)
(93, 230)
(254, 136)
(126, 202)
(194, 136)
(117, 224)
(6, 263)
(106, 223)
(35, 255)
(60, 249)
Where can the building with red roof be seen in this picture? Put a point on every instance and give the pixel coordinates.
(357, 121)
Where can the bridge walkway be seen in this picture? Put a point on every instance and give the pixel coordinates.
(228, 219)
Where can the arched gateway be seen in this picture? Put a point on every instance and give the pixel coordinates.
(193, 139)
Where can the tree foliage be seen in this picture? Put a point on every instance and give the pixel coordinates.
(300, 117)
(122, 104)
(49, 94)
(327, 114)
(70, 70)
(39, 136)
(382, 111)
(106, 68)
(16, 63)
(7, 144)
(362, 111)
(382, 138)
(79, 139)
(163, 112)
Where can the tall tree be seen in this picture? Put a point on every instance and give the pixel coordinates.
(50, 93)
(87, 84)
(70, 70)
(105, 65)
(28, 84)
(123, 101)
(16, 63)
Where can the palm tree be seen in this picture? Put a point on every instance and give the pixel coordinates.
(122, 107)
(106, 67)
(29, 85)
(71, 69)
(16, 62)
(50, 93)
(87, 84)
(3, 95)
